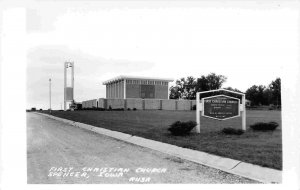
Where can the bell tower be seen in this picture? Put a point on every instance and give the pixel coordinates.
(68, 89)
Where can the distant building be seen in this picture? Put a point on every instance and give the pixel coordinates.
(75, 105)
(248, 102)
(123, 87)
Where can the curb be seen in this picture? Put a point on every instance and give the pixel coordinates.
(247, 170)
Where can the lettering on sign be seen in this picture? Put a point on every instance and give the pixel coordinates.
(221, 107)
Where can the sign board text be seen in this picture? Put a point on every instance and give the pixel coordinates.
(221, 107)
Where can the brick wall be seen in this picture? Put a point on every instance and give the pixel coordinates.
(101, 103)
(147, 91)
(168, 104)
(151, 104)
(89, 103)
(140, 104)
(184, 104)
(134, 103)
(161, 92)
(193, 102)
(133, 90)
(115, 103)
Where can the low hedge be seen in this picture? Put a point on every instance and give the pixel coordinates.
(116, 109)
(179, 128)
(96, 109)
(232, 131)
(262, 126)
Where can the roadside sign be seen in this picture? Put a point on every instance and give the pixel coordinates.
(221, 107)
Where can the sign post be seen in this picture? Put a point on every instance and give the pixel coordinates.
(220, 107)
(198, 106)
(244, 113)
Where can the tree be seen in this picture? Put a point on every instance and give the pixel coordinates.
(179, 88)
(233, 89)
(275, 88)
(261, 95)
(174, 93)
(201, 84)
(256, 94)
(215, 81)
(239, 96)
(187, 88)
(268, 96)
(184, 89)
(251, 94)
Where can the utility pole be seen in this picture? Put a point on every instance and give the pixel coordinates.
(50, 94)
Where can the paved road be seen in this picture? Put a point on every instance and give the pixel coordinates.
(61, 153)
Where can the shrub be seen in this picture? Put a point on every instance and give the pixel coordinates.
(118, 109)
(109, 108)
(101, 109)
(128, 109)
(261, 126)
(134, 109)
(179, 128)
(232, 131)
(194, 107)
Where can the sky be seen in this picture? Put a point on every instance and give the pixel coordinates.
(250, 44)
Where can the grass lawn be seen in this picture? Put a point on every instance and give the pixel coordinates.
(261, 148)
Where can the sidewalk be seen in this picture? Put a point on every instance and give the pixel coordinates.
(251, 171)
